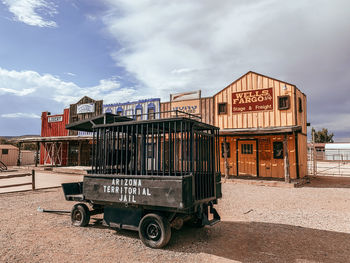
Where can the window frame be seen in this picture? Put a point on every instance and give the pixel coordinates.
(279, 155)
(300, 105)
(247, 148)
(222, 104)
(119, 111)
(280, 98)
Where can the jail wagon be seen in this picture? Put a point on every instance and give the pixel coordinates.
(149, 175)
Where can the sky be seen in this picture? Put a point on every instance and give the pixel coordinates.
(53, 52)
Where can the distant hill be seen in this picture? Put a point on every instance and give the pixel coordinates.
(13, 141)
(18, 137)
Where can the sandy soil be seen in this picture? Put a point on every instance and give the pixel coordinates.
(259, 224)
(42, 180)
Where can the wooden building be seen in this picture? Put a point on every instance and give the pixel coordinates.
(189, 102)
(8, 154)
(80, 149)
(263, 122)
(60, 147)
(85, 108)
(54, 152)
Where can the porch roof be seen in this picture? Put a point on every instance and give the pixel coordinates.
(261, 131)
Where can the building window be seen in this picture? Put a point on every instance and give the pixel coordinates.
(119, 111)
(300, 104)
(278, 150)
(151, 108)
(151, 114)
(223, 150)
(108, 110)
(283, 102)
(5, 151)
(247, 148)
(138, 112)
(222, 108)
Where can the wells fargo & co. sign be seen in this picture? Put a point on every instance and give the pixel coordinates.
(252, 100)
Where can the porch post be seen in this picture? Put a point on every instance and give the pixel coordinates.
(227, 168)
(286, 159)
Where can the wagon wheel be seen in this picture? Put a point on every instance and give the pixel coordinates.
(80, 215)
(154, 231)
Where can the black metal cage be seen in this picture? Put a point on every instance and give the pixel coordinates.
(165, 147)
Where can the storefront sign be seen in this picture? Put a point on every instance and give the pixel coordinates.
(253, 100)
(86, 108)
(188, 106)
(55, 119)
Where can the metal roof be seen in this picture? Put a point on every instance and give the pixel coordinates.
(7, 146)
(88, 124)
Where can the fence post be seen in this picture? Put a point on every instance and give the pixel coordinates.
(33, 179)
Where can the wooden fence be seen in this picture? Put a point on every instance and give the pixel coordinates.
(32, 183)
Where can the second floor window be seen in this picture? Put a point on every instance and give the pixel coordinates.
(151, 114)
(138, 113)
(222, 108)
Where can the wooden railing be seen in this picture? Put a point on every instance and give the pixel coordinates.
(32, 183)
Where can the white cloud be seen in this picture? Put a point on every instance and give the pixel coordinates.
(183, 45)
(21, 115)
(22, 92)
(32, 12)
(175, 46)
(32, 84)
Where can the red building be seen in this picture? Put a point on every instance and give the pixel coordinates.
(54, 152)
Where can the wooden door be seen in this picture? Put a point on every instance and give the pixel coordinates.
(265, 157)
(48, 152)
(247, 161)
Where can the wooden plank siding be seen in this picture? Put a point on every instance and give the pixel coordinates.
(268, 166)
(56, 128)
(265, 163)
(206, 109)
(74, 116)
(259, 119)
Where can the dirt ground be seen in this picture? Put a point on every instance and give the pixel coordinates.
(42, 180)
(259, 224)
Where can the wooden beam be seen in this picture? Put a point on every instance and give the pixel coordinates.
(14, 185)
(286, 159)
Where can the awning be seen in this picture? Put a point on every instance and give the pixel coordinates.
(88, 124)
(261, 131)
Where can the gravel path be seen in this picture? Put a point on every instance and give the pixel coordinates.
(259, 224)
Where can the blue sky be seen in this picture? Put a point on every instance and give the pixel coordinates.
(54, 52)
